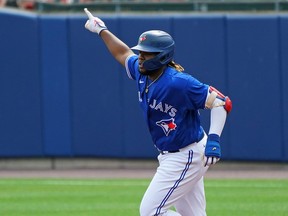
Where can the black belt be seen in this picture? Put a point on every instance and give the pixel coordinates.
(165, 152)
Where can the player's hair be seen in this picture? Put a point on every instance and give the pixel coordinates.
(175, 65)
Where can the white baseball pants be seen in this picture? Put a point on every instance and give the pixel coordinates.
(178, 182)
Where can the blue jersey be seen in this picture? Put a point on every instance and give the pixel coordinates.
(171, 106)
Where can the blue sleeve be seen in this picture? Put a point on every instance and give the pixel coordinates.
(131, 65)
(196, 93)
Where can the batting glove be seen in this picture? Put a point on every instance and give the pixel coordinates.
(94, 24)
(212, 150)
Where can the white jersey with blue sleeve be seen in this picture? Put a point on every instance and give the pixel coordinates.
(171, 105)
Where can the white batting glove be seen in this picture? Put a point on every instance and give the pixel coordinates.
(94, 24)
(208, 161)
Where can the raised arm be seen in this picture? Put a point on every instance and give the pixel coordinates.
(119, 50)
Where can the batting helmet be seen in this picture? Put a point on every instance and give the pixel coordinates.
(156, 41)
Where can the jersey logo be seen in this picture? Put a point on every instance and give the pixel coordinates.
(167, 125)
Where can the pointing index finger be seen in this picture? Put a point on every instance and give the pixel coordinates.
(90, 16)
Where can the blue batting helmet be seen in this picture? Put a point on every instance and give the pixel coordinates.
(156, 41)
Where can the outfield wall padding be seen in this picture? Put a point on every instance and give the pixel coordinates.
(63, 95)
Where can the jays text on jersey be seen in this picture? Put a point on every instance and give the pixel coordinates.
(171, 105)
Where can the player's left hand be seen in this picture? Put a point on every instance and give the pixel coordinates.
(94, 24)
(212, 150)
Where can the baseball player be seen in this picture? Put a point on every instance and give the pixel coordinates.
(170, 100)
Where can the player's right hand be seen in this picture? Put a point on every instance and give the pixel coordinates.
(94, 24)
(212, 150)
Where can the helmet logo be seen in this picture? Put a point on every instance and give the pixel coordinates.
(143, 38)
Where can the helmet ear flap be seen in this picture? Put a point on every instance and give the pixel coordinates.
(152, 64)
(159, 60)
(166, 56)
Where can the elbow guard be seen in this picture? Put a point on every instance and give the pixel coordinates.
(215, 99)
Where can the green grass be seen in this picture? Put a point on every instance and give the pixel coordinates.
(121, 197)
(247, 197)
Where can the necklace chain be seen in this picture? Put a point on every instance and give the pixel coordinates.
(147, 86)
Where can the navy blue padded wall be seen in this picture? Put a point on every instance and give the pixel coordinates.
(55, 85)
(20, 89)
(136, 138)
(254, 77)
(201, 50)
(87, 106)
(97, 123)
(283, 43)
(200, 47)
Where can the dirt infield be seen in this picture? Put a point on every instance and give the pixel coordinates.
(131, 173)
(132, 169)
